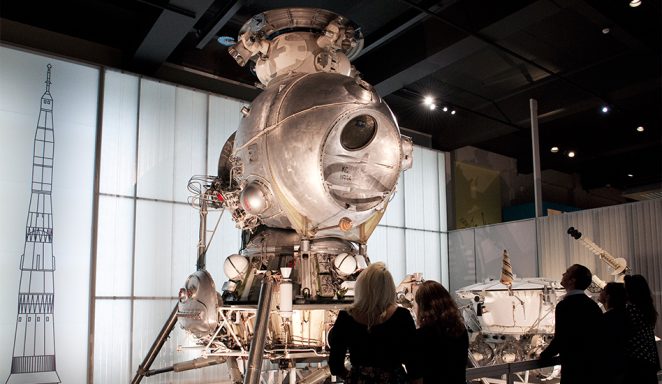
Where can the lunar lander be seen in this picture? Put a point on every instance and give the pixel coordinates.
(306, 177)
(510, 319)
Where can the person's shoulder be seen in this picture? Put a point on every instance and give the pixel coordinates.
(343, 315)
(402, 315)
(401, 311)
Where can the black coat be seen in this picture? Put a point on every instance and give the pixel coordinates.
(443, 357)
(577, 339)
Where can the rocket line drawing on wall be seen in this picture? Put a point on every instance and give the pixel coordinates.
(33, 359)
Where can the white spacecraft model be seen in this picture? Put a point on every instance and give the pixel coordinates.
(306, 177)
(511, 319)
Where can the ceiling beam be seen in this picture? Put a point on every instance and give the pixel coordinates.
(508, 25)
(174, 23)
(403, 27)
(220, 24)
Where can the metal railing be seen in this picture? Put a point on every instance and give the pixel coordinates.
(510, 369)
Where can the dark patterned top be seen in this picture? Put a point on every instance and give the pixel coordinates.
(641, 339)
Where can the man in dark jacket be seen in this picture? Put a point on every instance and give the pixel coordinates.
(578, 325)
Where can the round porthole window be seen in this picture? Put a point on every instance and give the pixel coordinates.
(358, 132)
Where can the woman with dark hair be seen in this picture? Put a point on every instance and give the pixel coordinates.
(612, 298)
(378, 334)
(643, 362)
(441, 337)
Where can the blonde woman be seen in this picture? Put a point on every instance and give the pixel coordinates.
(378, 334)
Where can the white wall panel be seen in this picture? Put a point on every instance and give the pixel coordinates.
(119, 134)
(445, 268)
(462, 258)
(225, 242)
(395, 211)
(224, 118)
(75, 94)
(185, 236)
(421, 191)
(517, 237)
(441, 187)
(430, 188)
(153, 249)
(190, 139)
(115, 246)
(423, 253)
(112, 342)
(156, 140)
(388, 245)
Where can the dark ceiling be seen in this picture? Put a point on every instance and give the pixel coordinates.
(485, 59)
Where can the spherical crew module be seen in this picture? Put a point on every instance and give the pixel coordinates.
(306, 177)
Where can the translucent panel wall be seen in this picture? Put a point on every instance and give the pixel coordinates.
(156, 136)
(412, 236)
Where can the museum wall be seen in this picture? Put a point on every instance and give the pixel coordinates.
(117, 278)
(48, 125)
(517, 188)
(542, 248)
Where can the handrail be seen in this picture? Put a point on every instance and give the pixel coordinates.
(510, 369)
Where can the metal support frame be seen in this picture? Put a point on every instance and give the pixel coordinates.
(154, 350)
(537, 180)
(254, 368)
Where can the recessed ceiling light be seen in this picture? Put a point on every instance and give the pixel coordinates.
(452, 112)
(630, 175)
(635, 3)
(445, 109)
(571, 154)
(428, 100)
(640, 128)
(604, 109)
(555, 149)
(432, 107)
(605, 31)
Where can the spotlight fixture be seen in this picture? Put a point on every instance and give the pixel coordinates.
(635, 3)
(605, 31)
(604, 109)
(226, 41)
(571, 154)
(554, 149)
(630, 175)
(445, 109)
(452, 112)
(428, 100)
(640, 128)
(432, 107)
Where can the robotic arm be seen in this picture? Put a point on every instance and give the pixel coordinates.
(619, 265)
